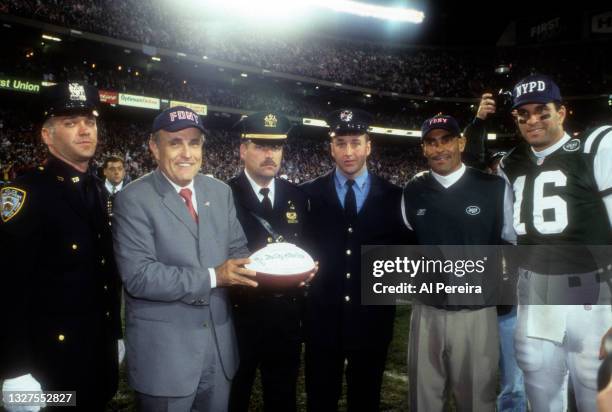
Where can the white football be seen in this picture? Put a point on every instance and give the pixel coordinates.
(281, 265)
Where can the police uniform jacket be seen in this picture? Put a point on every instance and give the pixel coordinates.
(60, 289)
(281, 310)
(334, 315)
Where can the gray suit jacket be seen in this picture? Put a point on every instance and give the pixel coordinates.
(172, 314)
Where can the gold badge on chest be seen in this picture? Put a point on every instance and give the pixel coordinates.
(292, 216)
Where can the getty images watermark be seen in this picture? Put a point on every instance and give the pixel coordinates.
(477, 275)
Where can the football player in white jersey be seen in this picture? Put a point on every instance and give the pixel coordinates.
(562, 198)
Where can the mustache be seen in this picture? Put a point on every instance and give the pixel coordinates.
(268, 162)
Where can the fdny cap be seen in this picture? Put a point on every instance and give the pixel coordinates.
(444, 122)
(535, 89)
(177, 118)
(264, 127)
(69, 98)
(348, 121)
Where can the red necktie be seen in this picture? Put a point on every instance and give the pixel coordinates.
(186, 194)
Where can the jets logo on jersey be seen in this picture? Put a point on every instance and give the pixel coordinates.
(572, 146)
(472, 210)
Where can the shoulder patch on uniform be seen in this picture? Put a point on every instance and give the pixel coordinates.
(12, 201)
(572, 145)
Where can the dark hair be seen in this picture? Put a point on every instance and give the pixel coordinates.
(112, 159)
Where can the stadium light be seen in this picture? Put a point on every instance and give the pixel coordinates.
(275, 9)
(372, 10)
(49, 37)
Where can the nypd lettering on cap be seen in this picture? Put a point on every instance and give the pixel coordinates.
(535, 89)
(529, 87)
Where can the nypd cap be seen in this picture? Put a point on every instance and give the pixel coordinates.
(69, 98)
(444, 122)
(348, 121)
(177, 118)
(535, 89)
(264, 127)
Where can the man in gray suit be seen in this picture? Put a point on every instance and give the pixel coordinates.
(178, 242)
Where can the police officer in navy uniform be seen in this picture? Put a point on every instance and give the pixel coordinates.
(60, 289)
(349, 207)
(267, 322)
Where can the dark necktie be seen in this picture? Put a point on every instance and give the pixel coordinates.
(350, 203)
(266, 202)
(186, 194)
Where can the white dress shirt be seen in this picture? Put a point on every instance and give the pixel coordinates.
(109, 186)
(257, 188)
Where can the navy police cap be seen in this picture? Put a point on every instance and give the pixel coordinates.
(177, 118)
(264, 127)
(69, 98)
(535, 89)
(347, 121)
(444, 122)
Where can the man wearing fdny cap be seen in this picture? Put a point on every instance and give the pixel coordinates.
(61, 290)
(270, 209)
(562, 189)
(452, 204)
(178, 244)
(349, 206)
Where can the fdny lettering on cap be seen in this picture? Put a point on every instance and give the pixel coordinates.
(438, 120)
(184, 115)
(530, 87)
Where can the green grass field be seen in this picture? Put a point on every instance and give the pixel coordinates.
(394, 389)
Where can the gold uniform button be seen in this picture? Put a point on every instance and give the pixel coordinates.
(350, 229)
(348, 252)
(347, 298)
(74, 246)
(61, 338)
(348, 275)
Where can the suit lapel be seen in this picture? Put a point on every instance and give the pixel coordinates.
(279, 195)
(246, 196)
(373, 194)
(330, 193)
(206, 206)
(175, 204)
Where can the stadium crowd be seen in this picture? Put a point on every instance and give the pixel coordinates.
(304, 159)
(419, 71)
